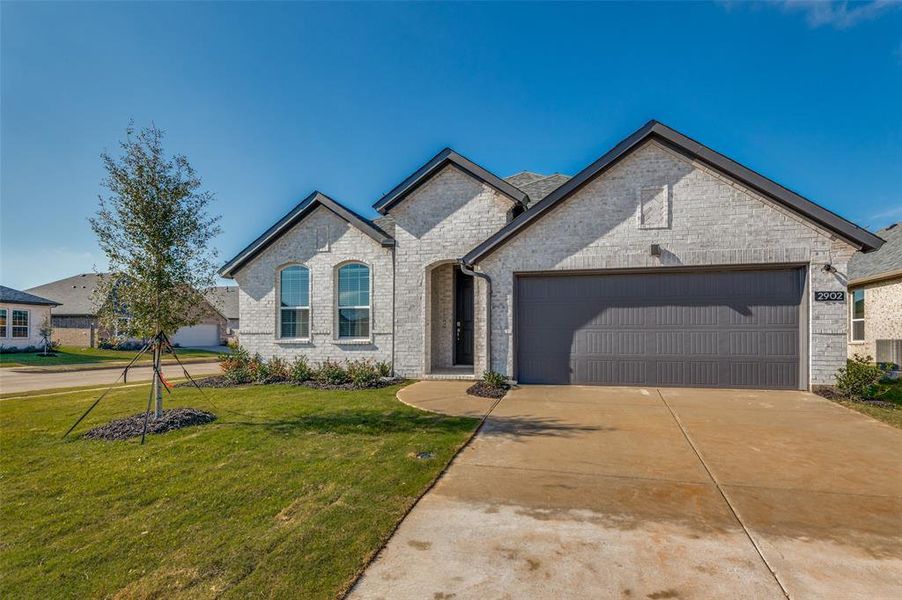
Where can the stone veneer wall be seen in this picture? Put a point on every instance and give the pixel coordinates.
(705, 219)
(883, 316)
(441, 221)
(322, 242)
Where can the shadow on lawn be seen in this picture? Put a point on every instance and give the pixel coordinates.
(362, 423)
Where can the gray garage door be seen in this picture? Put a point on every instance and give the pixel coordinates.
(707, 329)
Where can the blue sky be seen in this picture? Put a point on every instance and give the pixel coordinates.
(271, 101)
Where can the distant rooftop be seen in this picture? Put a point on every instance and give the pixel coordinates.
(8, 294)
(75, 294)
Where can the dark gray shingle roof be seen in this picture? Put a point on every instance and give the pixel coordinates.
(75, 294)
(542, 187)
(886, 260)
(8, 294)
(224, 298)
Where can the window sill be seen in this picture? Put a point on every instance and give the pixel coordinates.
(858, 342)
(353, 341)
(294, 341)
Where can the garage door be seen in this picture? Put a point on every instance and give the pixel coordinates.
(707, 329)
(197, 335)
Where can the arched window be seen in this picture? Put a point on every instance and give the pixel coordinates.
(354, 301)
(294, 302)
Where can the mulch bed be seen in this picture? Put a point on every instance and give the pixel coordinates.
(481, 389)
(831, 393)
(133, 426)
(220, 381)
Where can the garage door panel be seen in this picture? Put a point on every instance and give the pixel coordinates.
(729, 329)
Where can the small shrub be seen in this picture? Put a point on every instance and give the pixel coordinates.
(300, 370)
(384, 368)
(859, 378)
(494, 379)
(235, 366)
(331, 372)
(258, 368)
(278, 371)
(362, 373)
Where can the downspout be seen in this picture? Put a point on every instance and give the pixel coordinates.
(468, 270)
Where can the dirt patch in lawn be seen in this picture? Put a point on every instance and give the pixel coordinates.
(133, 426)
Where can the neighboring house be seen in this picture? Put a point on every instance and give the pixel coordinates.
(22, 315)
(225, 299)
(875, 290)
(75, 323)
(661, 263)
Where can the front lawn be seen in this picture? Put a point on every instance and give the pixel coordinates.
(70, 355)
(286, 495)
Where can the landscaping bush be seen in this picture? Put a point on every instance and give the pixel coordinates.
(258, 368)
(384, 368)
(300, 370)
(363, 373)
(494, 379)
(278, 370)
(235, 366)
(332, 373)
(859, 378)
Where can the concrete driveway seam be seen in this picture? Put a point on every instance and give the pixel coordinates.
(723, 495)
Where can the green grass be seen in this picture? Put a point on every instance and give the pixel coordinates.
(288, 498)
(889, 392)
(70, 355)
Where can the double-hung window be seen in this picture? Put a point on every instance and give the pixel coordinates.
(294, 302)
(858, 316)
(354, 301)
(3, 332)
(20, 323)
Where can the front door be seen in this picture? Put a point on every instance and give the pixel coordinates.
(463, 318)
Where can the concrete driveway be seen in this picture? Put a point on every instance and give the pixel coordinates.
(585, 492)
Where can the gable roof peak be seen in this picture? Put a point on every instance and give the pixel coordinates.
(855, 235)
(436, 164)
(295, 216)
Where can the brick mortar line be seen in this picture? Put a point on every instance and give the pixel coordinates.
(726, 499)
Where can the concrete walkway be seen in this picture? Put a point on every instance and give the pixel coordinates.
(585, 492)
(16, 382)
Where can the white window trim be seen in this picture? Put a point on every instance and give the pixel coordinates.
(853, 320)
(9, 324)
(352, 340)
(280, 308)
(5, 333)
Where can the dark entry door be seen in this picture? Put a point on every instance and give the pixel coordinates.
(732, 329)
(463, 318)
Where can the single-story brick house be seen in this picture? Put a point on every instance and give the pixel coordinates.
(75, 321)
(22, 315)
(661, 263)
(875, 309)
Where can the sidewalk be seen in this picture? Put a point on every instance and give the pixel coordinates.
(14, 381)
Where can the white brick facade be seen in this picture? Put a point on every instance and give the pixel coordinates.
(712, 221)
(655, 195)
(37, 314)
(322, 242)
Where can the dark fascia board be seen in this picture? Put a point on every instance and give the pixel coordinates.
(857, 236)
(295, 216)
(435, 164)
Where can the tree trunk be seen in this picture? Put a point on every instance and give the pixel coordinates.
(157, 383)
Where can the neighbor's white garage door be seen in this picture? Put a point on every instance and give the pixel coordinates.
(197, 335)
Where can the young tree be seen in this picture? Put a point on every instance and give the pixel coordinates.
(154, 229)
